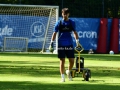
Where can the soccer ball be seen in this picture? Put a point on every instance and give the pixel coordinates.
(111, 52)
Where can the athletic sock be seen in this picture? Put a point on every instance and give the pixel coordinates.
(62, 76)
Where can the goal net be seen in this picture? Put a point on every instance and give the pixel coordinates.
(15, 44)
(34, 22)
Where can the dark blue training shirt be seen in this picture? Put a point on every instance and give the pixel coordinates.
(65, 29)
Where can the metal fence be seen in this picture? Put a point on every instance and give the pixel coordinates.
(78, 8)
(93, 8)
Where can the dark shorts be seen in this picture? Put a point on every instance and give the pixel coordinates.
(66, 51)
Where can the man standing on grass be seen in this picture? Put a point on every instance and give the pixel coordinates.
(65, 27)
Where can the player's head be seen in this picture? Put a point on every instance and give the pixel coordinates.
(65, 13)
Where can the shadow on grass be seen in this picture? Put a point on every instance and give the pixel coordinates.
(28, 54)
(101, 57)
(48, 69)
(39, 71)
(105, 57)
(103, 72)
(55, 86)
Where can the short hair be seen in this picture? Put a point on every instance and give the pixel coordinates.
(65, 10)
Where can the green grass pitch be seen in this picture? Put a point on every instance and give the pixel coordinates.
(41, 72)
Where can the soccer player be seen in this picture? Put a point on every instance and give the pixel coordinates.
(65, 27)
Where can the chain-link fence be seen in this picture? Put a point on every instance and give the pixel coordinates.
(78, 8)
(93, 8)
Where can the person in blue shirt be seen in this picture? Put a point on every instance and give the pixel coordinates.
(65, 27)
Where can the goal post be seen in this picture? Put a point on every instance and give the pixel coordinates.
(34, 22)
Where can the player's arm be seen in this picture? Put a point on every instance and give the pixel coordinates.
(75, 35)
(74, 30)
(51, 43)
(53, 36)
(77, 39)
(56, 28)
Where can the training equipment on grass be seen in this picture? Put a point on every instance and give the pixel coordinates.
(78, 59)
(86, 73)
(34, 22)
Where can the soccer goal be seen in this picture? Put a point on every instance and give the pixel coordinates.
(34, 22)
(15, 44)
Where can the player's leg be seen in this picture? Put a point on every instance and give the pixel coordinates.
(62, 65)
(71, 63)
(62, 69)
(70, 56)
(61, 56)
(70, 66)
